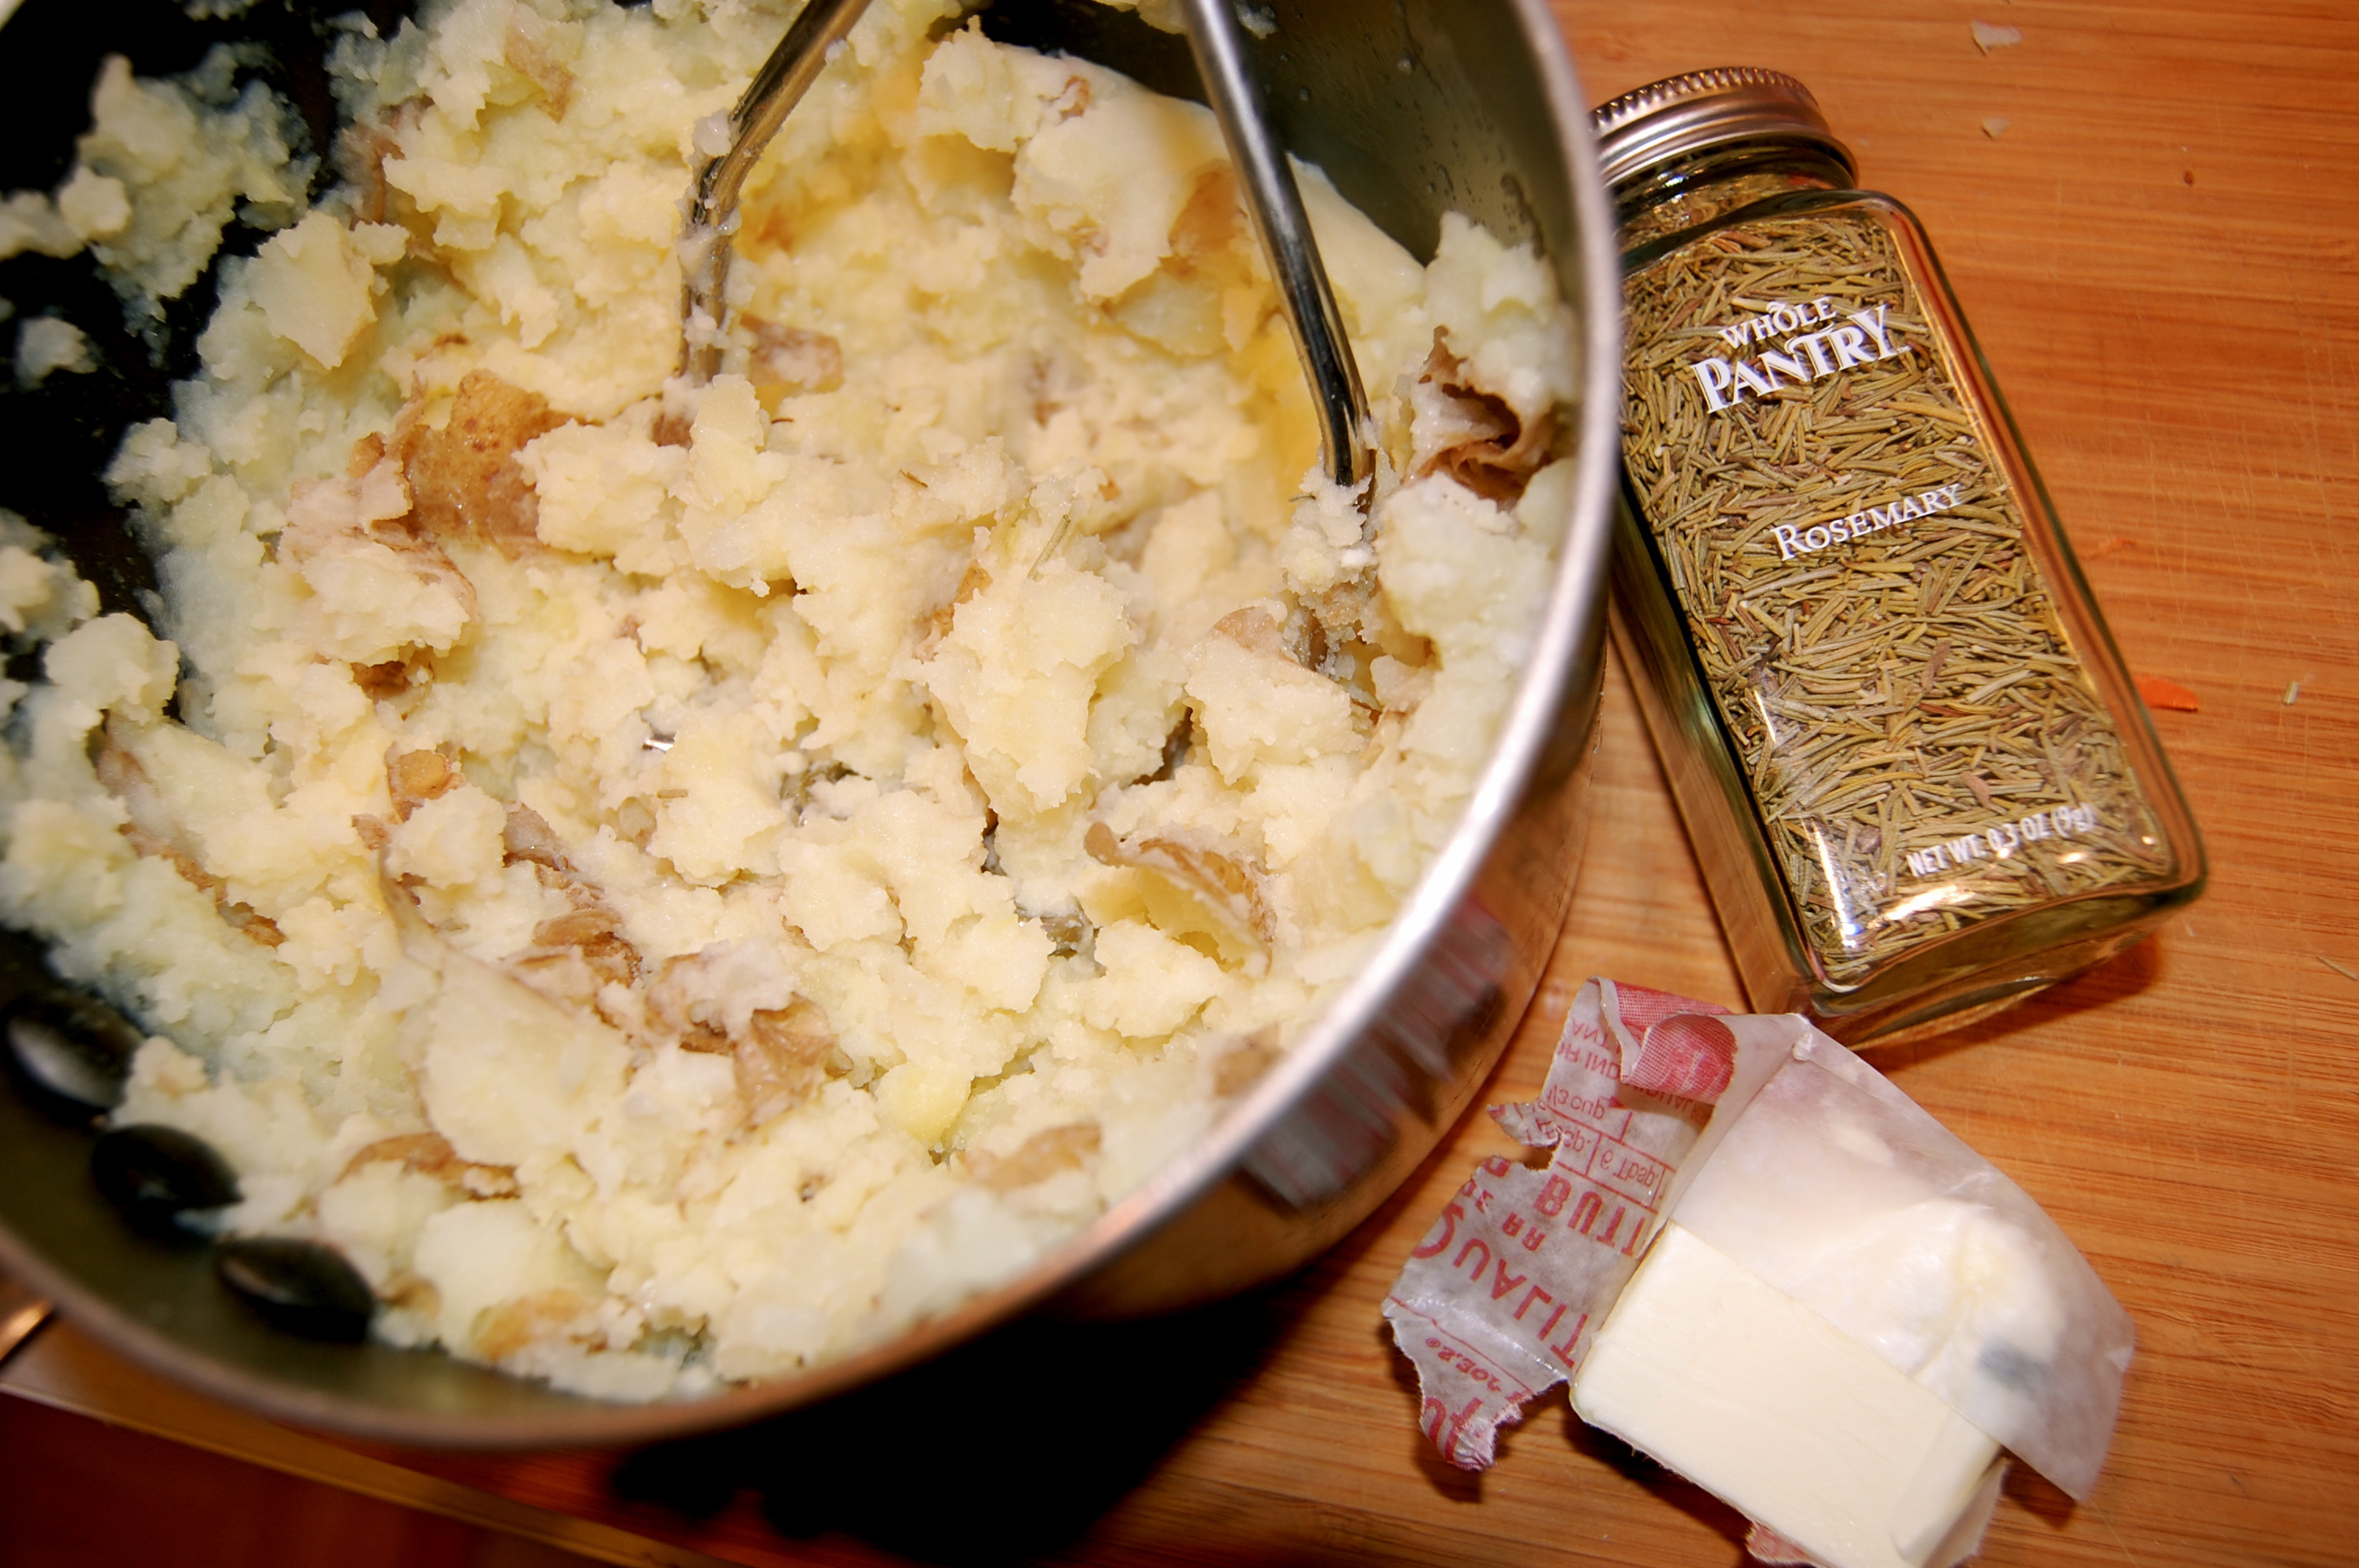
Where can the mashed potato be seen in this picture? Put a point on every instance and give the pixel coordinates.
(678, 884)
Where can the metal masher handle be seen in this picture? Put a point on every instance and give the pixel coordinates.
(769, 98)
(1271, 197)
(1218, 44)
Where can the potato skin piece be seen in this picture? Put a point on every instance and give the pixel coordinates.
(465, 480)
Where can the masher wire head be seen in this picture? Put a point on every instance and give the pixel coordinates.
(1267, 180)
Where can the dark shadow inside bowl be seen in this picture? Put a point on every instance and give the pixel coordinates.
(161, 1298)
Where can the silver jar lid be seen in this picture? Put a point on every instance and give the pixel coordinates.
(1681, 115)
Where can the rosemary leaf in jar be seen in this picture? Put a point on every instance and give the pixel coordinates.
(1924, 747)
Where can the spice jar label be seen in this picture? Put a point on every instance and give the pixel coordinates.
(1922, 745)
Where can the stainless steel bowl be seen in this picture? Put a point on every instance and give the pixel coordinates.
(1414, 108)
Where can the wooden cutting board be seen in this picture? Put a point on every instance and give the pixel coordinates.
(2151, 214)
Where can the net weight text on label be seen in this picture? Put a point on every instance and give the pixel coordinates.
(2003, 839)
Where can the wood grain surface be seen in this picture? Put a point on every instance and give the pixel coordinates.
(2159, 248)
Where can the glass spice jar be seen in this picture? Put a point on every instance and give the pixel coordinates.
(1920, 783)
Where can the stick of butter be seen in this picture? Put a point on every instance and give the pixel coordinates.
(1733, 1383)
(1842, 1192)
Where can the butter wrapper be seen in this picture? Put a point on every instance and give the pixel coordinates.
(1776, 1146)
(1499, 1302)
